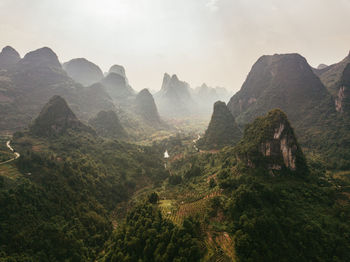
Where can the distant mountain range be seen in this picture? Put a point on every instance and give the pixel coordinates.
(30, 82)
(316, 101)
(177, 99)
(27, 84)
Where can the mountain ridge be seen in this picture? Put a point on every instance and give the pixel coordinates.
(83, 71)
(56, 118)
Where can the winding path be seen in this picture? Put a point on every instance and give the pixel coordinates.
(17, 155)
(195, 143)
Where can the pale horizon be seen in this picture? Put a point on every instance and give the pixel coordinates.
(205, 41)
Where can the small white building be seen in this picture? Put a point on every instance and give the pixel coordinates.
(166, 155)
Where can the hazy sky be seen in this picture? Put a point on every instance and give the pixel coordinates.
(212, 41)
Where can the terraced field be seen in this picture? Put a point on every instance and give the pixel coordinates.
(9, 171)
(178, 210)
(221, 245)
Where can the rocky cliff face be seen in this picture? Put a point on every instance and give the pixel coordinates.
(342, 100)
(222, 130)
(8, 57)
(270, 143)
(55, 119)
(331, 75)
(280, 145)
(83, 71)
(289, 83)
(146, 107)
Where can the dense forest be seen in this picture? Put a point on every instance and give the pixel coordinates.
(90, 170)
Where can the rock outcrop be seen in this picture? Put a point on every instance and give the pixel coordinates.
(56, 118)
(331, 75)
(222, 130)
(83, 71)
(107, 124)
(270, 143)
(342, 100)
(8, 57)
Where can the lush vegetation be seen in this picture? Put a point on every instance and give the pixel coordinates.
(287, 219)
(79, 197)
(299, 92)
(59, 209)
(107, 124)
(147, 236)
(261, 134)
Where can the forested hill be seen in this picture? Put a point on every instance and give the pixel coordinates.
(58, 200)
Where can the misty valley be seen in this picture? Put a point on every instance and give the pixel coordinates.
(92, 170)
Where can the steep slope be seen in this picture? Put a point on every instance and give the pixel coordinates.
(269, 142)
(28, 85)
(174, 99)
(60, 202)
(43, 57)
(222, 130)
(342, 101)
(8, 57)
(93, 96)
(118, 69)
(117, 85)
(288, 82)
(330, 75)
(146, 108)
(83, 71)
(55, 119)
(107, 124)
(278, 81)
